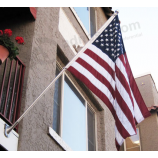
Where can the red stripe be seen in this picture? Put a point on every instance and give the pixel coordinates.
(125, 109)
(97, 75)
(135, 90)
(123, 81)
(123, 132)
(100, 61)
(94, 89)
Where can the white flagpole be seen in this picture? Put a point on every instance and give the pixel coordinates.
(8, 129)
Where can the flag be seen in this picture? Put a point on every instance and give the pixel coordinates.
(104, 68)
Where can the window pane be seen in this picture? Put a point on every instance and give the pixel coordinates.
(92, 21)
(91, 130)
(83, 14)
(56, 104)
(74, 118)
(133, 143)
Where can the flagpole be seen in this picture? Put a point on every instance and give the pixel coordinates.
(8, 128)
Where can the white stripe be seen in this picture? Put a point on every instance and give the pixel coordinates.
(94, 81)
(98, 68)
(138, 115)
(123, 119)
(118, 136)
(102, 55)
(124, 95)
(122, 69)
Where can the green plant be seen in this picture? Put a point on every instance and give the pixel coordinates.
(6, 42)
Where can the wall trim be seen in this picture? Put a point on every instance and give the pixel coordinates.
(59, 140)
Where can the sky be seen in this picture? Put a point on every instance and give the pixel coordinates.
(142, 49)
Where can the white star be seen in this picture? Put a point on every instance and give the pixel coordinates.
(107, 44)
(111, 34)
(111, 39)
(106, 39)
(106, 35)
(107, 49)
(117, 24)
(112, 49)
(102, 44)
(101, 36)
(112, 44)
(110, 25)
(97, 41)
(101, 40)
(110, 30)
(106, 30)
(118, 49)
(118, 45)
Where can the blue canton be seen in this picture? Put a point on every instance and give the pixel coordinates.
(110, 40)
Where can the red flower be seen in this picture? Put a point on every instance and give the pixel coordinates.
(19, 40)
(1, 32)
(8, 32)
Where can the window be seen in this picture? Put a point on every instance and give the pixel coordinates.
(87, 16)
(73, 119)
(132, 143)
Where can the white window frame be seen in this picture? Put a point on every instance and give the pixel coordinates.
(57, 137)
(81, 24)
(95, 21)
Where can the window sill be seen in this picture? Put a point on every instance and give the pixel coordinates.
(59, 140)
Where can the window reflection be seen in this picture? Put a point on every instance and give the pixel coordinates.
(74, 118)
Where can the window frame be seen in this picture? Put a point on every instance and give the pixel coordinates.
(88, 34)
(87, 105)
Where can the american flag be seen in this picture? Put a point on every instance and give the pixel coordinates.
(104, 68)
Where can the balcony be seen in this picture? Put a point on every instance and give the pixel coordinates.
(11, 86)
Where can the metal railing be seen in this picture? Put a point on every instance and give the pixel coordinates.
(11, 85)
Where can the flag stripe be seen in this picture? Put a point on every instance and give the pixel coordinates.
(121, 128)
(125, 109)
(93, 88)
(138, 115)
(136, 93)
(102, 55)
(124, 83)
(118, 136)
(123, 119)
(125, 95)
(97, 75)
(99, 68)
(101, 62)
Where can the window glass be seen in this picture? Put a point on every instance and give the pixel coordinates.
(74, 118)
(133, 143)
(91, 130)
(56, 104)
(83, 14)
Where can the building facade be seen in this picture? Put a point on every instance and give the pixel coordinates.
(68, 116)
(51, 41)
(146, 138)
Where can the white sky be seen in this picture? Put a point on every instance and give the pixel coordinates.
(142, 51)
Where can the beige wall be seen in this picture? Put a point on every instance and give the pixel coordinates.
(149, 127)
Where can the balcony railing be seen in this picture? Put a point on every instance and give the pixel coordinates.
(11, 86)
